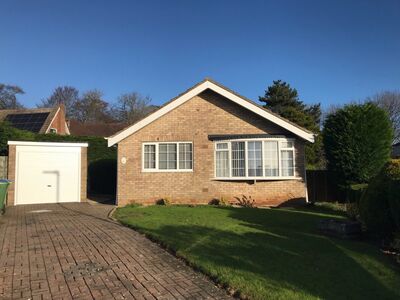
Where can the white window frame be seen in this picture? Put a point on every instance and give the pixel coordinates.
(279, 177)
(229, 157)
(156, 169)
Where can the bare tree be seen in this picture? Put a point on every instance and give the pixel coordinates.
(66, 95)
(8, 96)
(131, 107)
(390, 101)
(91, 108)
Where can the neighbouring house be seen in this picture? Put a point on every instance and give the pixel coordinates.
(396, 150)
(78, 128)
(209, 142)
(37, 120)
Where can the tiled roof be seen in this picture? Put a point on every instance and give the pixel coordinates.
(94, 128)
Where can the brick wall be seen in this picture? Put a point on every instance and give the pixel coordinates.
(11, 174)
(84, 174)
(205, 114)
(59, 122)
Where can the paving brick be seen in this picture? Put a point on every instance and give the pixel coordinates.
(75, 252)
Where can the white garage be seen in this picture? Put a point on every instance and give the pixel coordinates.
(47, 172)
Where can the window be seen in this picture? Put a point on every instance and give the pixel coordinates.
(238, 159)
(167, 156)
(287, 161)
(271, 158)
(255, 159)
(222, 159)
(177, 156)
(53, 130)
(185, 156)
(149, 156)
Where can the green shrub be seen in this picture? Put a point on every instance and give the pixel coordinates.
(219, 202)
(9, 133)
(357, 141)
(393, 192)
(97, 150)
(355, 191)
(245, 201)
(380, 204)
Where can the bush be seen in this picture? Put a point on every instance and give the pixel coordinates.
(245, 201)
(97, 150)
(164, 201)
(9, 133)
(380, 204)
(219, 202)
(357, 141)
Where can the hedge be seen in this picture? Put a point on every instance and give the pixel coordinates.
(97, 150)
(101, 158)
(357, 141)
(380, 204)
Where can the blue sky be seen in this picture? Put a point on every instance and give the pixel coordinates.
(331, 51)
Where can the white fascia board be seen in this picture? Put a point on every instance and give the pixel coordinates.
(154, 116)
(263, 113)
(52, 120)
(194, 92)
(48, 144)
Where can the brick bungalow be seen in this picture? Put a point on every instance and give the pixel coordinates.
(210, 142)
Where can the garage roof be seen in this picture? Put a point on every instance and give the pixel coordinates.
(22, 143)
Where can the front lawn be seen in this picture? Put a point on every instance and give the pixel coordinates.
(269, 253)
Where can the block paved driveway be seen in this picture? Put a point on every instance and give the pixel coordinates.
(73, 251)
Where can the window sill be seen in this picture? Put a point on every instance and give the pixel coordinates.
(256, 178)
(167, 171)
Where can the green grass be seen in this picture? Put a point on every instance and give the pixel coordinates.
(270, 253)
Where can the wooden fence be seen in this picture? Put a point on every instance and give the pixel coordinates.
(320, 187)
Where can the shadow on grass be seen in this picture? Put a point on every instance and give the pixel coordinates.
(274, 253)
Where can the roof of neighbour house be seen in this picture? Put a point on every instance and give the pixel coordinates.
(209, 84)
(78, 128)
(37, 120)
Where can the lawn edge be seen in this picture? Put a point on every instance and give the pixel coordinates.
(236, 293)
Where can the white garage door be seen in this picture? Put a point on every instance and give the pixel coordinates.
(47, 174)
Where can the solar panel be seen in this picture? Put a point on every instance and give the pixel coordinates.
(30, 122)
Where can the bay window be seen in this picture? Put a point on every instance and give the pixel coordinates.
(271, 160)
(287, 158)
(255, 159)
(238, 159)
(164, 157)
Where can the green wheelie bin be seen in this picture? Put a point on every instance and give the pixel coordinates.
(4, 183)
